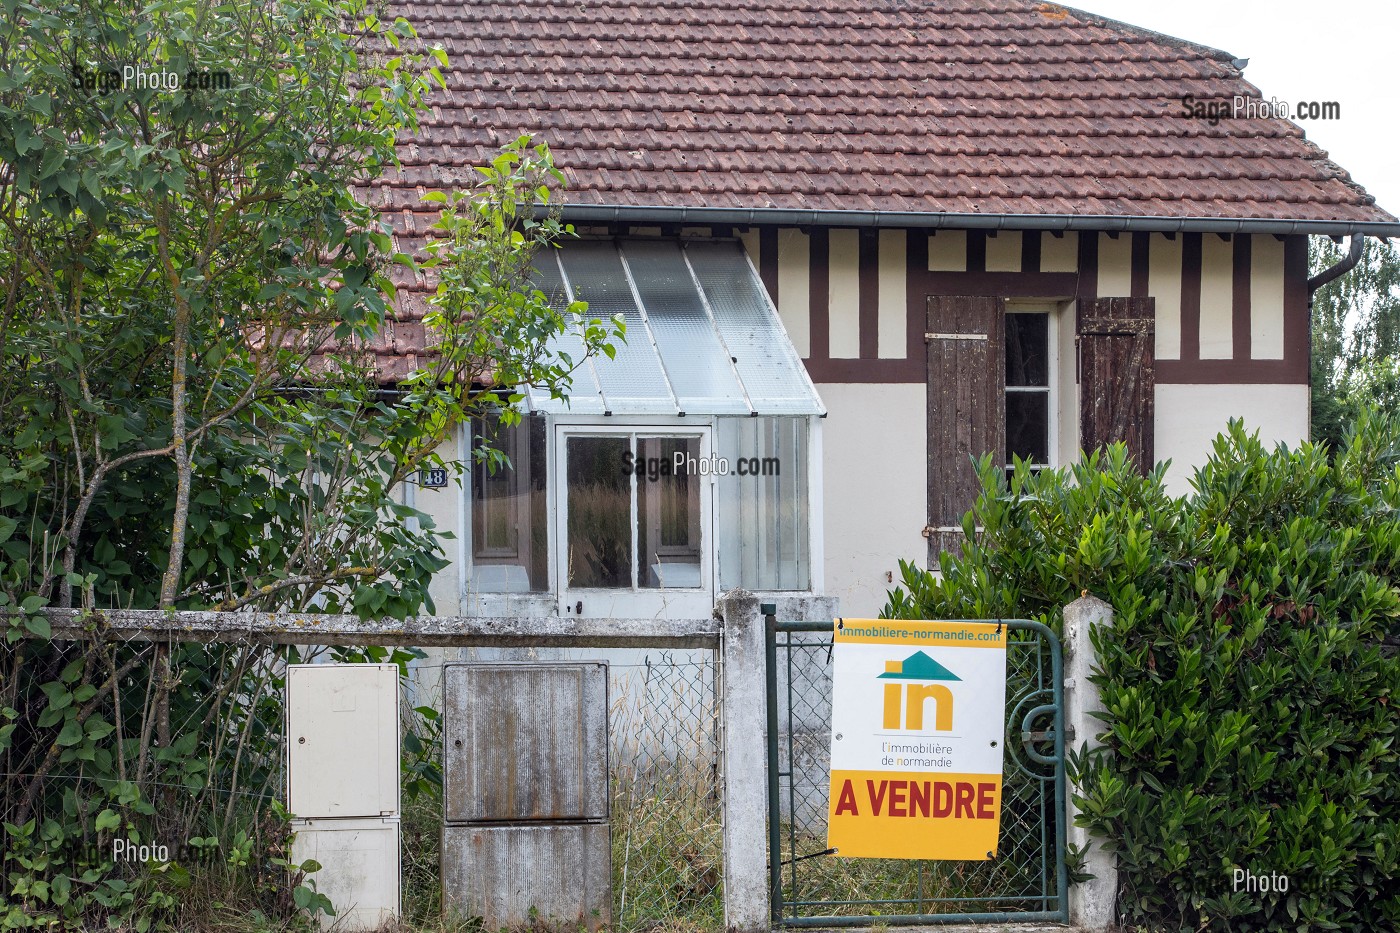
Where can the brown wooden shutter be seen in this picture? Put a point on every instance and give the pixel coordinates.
(966, 408)
(1117, 337)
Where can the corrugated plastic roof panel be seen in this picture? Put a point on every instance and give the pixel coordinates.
(703, 338)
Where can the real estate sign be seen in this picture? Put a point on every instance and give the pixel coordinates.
(917, 729)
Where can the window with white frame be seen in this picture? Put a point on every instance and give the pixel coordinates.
(1030, 387)
(509, 511)
(764, 524)
(633, 506)
(706, 374)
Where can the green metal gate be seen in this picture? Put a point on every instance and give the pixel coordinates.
(1027, 881)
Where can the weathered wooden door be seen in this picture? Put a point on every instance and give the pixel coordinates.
(966, 408)
(1116, 382)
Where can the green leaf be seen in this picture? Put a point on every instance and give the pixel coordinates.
(108, 819)
(71, 733)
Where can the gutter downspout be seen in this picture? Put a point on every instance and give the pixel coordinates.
(1353, 256)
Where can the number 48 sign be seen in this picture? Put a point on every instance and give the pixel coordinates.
(918, 712)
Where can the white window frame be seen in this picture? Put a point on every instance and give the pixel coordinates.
(550, 601)
(637, 601)
(1052, 311)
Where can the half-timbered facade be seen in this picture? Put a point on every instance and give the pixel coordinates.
(981, 227)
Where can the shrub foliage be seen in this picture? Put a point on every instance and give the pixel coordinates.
(1247, 681)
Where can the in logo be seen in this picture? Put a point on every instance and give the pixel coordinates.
(904, 702)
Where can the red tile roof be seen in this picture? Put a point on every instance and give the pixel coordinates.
(962, 106)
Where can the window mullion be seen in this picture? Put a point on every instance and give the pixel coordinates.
(636, 542)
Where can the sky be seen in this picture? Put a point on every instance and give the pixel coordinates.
(1341, 51)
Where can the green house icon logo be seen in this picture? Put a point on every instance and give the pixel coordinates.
(918, 666)
(904, 702)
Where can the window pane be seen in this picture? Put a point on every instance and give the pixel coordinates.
(1028, 426)
(599, 491)
(668, 512)
(763, 518)
(1027, 349)
(510, 543)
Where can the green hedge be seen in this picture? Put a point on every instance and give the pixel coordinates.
(1249, 692)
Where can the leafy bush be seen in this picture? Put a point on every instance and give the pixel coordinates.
(1246, 678)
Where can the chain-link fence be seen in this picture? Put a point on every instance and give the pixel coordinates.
(665, 760)
(1023, 878)
(181, 749)
(119, 756)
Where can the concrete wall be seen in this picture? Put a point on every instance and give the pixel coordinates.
(444, 507)
(875, 477)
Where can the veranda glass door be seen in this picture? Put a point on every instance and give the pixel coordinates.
(634, 522)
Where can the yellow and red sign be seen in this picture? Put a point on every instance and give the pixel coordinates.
(917, 727)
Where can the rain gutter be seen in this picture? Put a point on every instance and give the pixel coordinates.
(597, 213)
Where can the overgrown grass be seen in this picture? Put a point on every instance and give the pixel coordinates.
(890, 886)
(667, 840)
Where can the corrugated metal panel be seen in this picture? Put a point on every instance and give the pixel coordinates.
(525, 742)
(584, 394)
(696, 360)
(634, 380)
(555, 875)
(772, 372)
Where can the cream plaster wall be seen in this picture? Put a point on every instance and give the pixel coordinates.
(894, 284)
(444, 507)
(1115, 266)
(1059, 253)
(947, 251)
(1217, 298)
(794, 288)
(1004, 252)
(1189, 416)
(843, 299)
(874, 479)
(1164, 284)
(1266, 298)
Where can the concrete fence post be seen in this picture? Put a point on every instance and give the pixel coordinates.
(1092, 904)
(744, 721)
